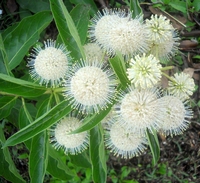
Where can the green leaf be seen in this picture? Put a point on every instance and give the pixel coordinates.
(18, 42)
(4, 68)
(6, 104)
(135, 8)
(166, 2)
(196, 5)
(90, 122)
(13, 86)
(25, 118)
(80, 16)
(179, 5)
(8, 169)
(57, 166)
(20, 81)
(15, 113)
(34, 6)
(27, 114)
(38, 158)
(118, 65)
(40, 124)
(2, 65)
(154, 145)
(80, 160)
(196, 56)
(67, 30)
(91, 3)
(97, 155)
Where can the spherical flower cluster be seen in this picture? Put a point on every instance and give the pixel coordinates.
(165, 50)
(163, 39)
(49, 65)
(93, 51)
(175, 116)
(90, 86)
(144, 71)
(182, 85)
(160, 28)
(139, 109)
(70, 143)
(115, 32)
(123, 142)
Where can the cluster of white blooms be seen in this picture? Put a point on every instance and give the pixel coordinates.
(144, 71)
(117, 31)
(49, 65)
(71, 143)
(164, 41)
(90, 85)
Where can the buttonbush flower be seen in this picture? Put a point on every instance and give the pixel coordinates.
(160, 28)
(115, 30)
(165, 50)
(49, 65)
(90, 86)
(70, 143)
(123, 142)
(93, 50)
(144, 71)
(182, 85)
(163, 38)
(139, 110)
(175, 116)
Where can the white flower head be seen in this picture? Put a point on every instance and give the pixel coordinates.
(160, 28)
(139, 109)
(115, 30)
(49, 65)
(93, 50)
(175, 116)
(123, 142)
(165, 50)
(90, 86)
(144, 71)
(182, 85)
(70, 143)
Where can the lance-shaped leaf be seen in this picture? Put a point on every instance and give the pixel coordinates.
(67, 29)
(91, 3)
(6, 104)
(57, 165)
(13, 86)
(80, 16)
(40, 124)
(8, 169)
(92, 121)
(97, 155)
(26, 33)
(81, 160)
(38, 157)
(4, 68)
(118, 65)
(135, 8)
(154, 145)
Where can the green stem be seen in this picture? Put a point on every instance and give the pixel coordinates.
(56, 96)
(164, 74)
(167, 68)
